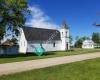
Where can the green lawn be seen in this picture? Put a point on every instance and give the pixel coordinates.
(84, 70)
(24, 57)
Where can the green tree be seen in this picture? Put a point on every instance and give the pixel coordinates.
(13, 15)
(77, 37)
(96, 37)
(79, 41)
(70, 40)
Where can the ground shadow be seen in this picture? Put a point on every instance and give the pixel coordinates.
(18, 55)
(32, 54)
(25, 55)
(48, 53)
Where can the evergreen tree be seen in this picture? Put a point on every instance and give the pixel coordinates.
(96, 37)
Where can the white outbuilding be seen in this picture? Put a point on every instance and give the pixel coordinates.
(88, 44)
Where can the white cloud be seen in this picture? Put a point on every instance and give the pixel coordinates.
(39, 19)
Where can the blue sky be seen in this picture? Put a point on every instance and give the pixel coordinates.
(79, 14)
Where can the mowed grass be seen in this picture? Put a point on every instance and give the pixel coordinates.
(84, 70)
(25, 57)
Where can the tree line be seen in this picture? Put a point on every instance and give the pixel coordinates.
(79, 40)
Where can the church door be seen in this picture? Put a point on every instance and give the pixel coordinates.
(67, 46)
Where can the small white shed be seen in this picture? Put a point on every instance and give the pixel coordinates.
(89, 44)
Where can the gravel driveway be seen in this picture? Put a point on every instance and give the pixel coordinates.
(8, 68)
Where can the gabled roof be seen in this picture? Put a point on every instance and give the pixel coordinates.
(88, 42)
(34, 34)
(10, 42)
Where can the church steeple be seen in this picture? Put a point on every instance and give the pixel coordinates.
(64, 31)
(64, 25)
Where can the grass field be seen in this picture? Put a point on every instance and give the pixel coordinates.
(84, 70)
(25, 57)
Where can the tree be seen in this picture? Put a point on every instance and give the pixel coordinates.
(79, 41)
(1, 33)
(76, 38)
(13, 15)
(70, 40)
(96, 37)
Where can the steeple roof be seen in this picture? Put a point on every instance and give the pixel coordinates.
(64, 25)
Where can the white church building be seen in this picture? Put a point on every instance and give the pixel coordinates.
(50, 39)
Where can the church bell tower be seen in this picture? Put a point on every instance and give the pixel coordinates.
(64, 32)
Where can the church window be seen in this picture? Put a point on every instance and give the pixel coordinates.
(54, 44)
(62, 33)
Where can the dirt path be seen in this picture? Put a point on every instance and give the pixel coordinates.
(14, 67)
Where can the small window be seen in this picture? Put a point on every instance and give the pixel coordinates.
(62, 33)
(54, 44)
